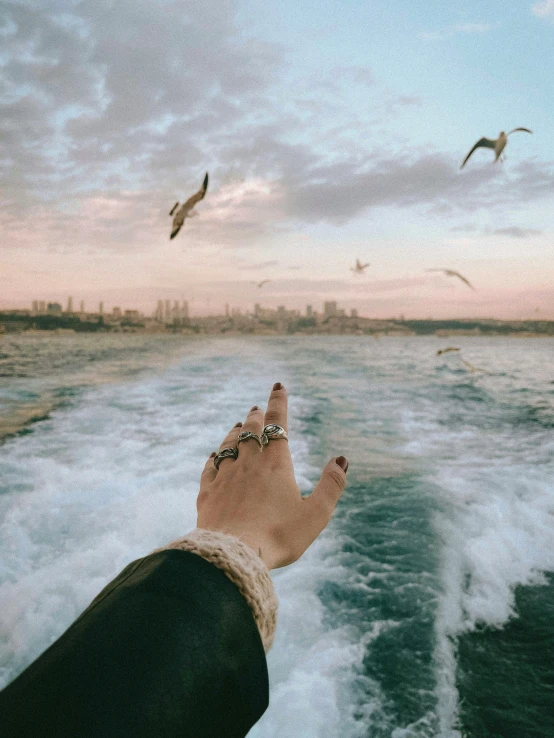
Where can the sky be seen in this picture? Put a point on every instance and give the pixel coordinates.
(331, 131)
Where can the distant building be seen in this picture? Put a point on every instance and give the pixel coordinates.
(353, 313)
(41, 306)
(132, 315)
(116, 312)
(82, 307)
(167, 314)
(329, 309)
(54, 308)
(159, 312)
(101, 309)
(35, 306)
(69, 304)
(185, 310)
(309, 311)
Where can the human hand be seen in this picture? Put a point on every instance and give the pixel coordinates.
(255, 497)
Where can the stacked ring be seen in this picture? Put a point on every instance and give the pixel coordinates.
(225, 453)
(273, 432)
(247, 435)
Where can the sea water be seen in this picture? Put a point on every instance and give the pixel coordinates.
(425, 609)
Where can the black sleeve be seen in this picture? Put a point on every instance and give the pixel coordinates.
(169, 648)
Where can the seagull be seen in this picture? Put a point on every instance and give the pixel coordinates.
(447, 350)
(498, 144)
(261, 284)
(452, 273)
(186, 208)
(359, 268)
(473, 369)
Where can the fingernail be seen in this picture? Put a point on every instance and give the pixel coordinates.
(277, 386)
(343, 463)
(254, 408)
(212, 454)
(238, 425)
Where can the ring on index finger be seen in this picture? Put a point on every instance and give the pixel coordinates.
(273, 432)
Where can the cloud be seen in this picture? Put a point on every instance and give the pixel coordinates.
(102, 134)
(450, 31)
(516, 232)
(258, 266)
(339, 192)
(100, 95)
(510, 231)
(544, 9)
(464, 228)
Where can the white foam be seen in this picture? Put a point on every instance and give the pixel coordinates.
(116, 476)
(496, 524)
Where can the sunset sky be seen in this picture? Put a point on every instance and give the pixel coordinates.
(331, 130)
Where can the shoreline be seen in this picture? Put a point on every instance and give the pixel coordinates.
(377, 335)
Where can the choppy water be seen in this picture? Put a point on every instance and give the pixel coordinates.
(427, 606)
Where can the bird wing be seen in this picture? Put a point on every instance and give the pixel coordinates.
(475, 368)
(452, 273)
(487, 143)
(470, 366)
(364, 265)
(173, 208)
(175, 230)
(447, 350)
(193, 199)
(460, 276)
(520, 129)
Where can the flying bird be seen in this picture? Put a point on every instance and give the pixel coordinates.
(186, 208)
(452, 273)
(473, 369)
(359, 268)
(498, 144)
(261, 284)
(447, 350)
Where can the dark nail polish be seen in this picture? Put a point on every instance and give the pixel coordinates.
(277, 386)
(254, 408)
(343, 463)
(238, 425)
(212, 454)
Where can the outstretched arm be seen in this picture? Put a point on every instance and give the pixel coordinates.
(174, 646)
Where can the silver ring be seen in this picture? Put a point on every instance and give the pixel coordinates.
(273, 432)
(225, 453)
(247, 435)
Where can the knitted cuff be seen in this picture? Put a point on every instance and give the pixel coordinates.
(243, 567)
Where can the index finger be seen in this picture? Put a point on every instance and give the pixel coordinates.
(276, 412)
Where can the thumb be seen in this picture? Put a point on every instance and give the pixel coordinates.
(328, 490)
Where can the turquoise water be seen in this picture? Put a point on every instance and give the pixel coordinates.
(425, 609)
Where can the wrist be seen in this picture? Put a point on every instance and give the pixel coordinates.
(261, 548)
(243, 566)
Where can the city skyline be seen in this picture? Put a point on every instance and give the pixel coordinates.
(167, 310)
(323, 146)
